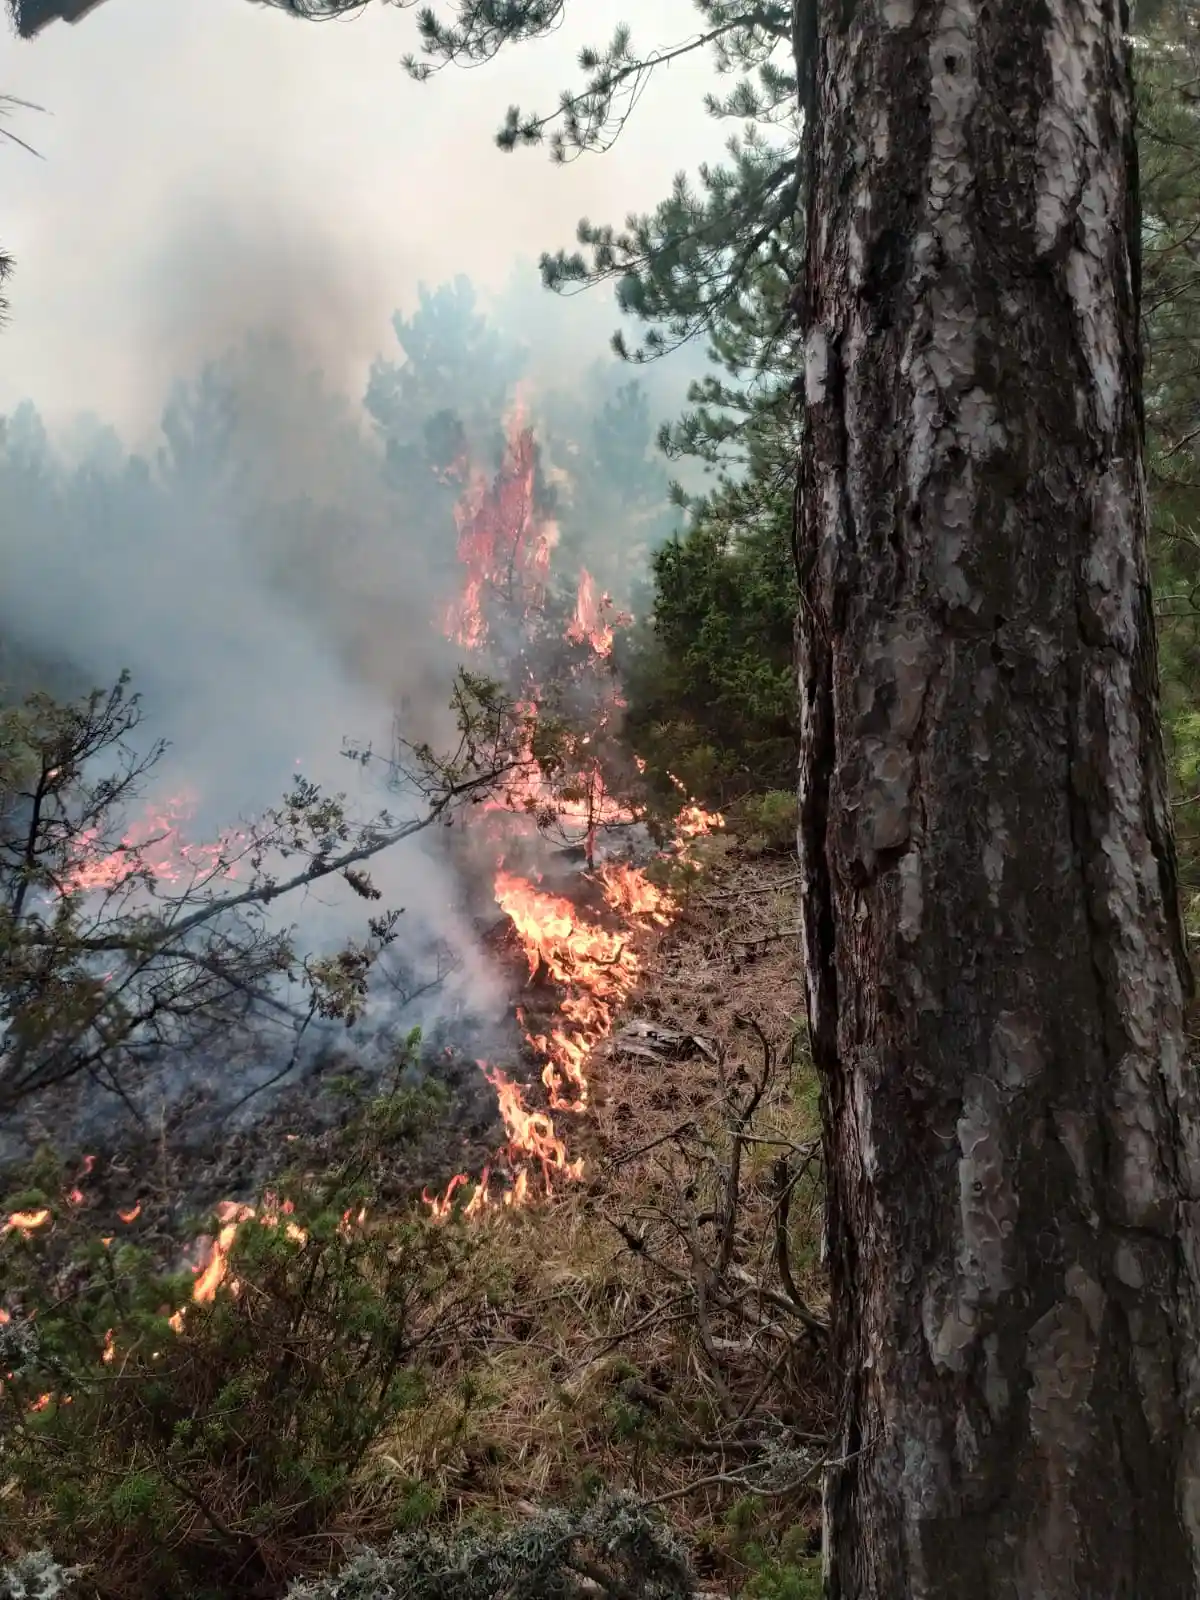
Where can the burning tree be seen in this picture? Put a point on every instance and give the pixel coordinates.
(548, 641)
(118, 941)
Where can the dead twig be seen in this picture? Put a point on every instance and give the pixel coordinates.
(785, 1186)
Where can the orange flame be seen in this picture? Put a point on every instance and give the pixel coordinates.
(505, 550)
(502, 542)
(154, 845)
(597, 967)
(25, 1222)
(214, 1270)
(629, 892)
(589, 624)
(693, 822)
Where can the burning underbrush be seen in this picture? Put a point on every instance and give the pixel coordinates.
(345, 1365)
(466, 1269)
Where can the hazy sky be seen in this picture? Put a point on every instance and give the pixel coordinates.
(209, 164)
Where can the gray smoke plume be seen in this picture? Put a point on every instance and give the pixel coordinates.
(272, 565)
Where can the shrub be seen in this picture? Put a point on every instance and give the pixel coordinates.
(766, 823)
(229, 1451)
(786, 1580)
(710, 678)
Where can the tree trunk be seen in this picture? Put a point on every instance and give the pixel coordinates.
(995, 964)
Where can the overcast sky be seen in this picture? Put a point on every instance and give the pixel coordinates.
(209, 164)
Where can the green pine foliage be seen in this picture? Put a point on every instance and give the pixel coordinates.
(1169, 146)
(709, 675)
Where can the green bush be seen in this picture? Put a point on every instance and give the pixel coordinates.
(710, 676)
(227, 1452)
(786, 1580)
(766, 823)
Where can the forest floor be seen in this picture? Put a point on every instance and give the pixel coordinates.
(655, 1327)
(652, 1347)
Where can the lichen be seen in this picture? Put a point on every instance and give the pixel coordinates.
(37, 1576)
(816, 365)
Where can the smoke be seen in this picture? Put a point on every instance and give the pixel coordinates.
(273, 563)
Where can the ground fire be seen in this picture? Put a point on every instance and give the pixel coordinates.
(588, 960)
(505, 549)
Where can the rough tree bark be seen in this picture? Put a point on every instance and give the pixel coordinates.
(995, 965)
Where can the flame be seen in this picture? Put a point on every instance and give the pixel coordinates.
(590, 624)
(154, 845)
(441, 1206)
(214, 1267)
(629, 892)
(108, 1354)
(132, 1214)
(351, 1220)
(25, 1222)
(531, 1142)
(502, 541)
(598, 968)
(527, 794)
(504, 548)
(213, 1270)
(693, 822)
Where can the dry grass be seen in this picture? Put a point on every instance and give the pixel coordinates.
(636, 1344)
(658, 1327)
